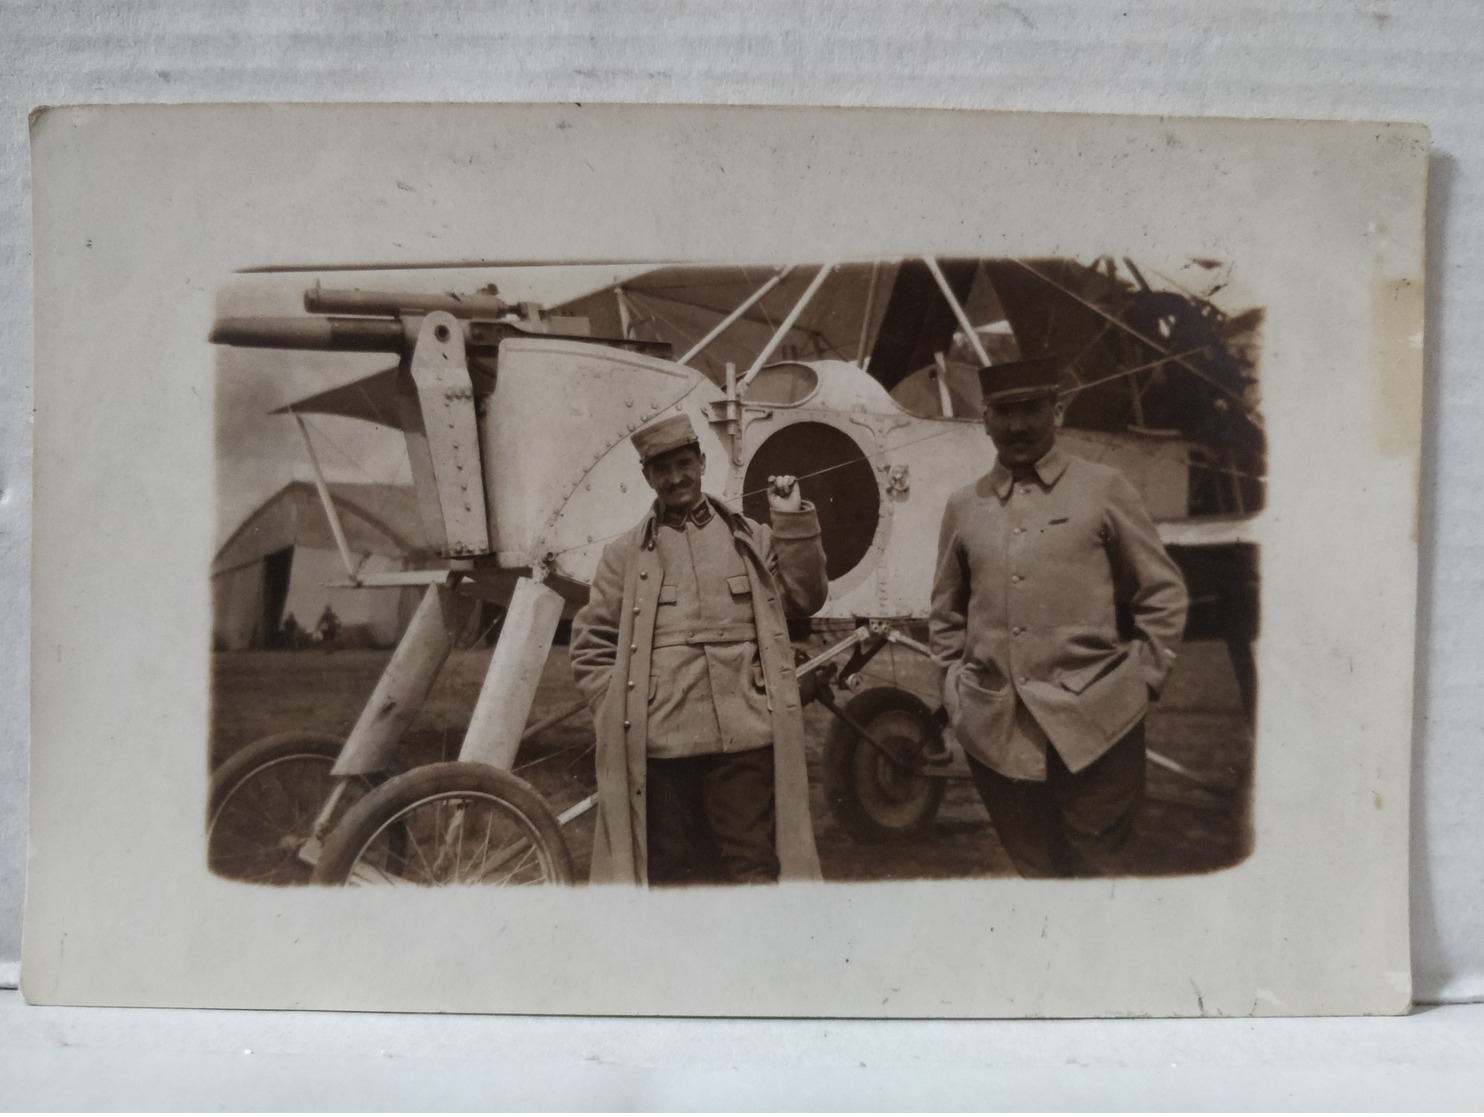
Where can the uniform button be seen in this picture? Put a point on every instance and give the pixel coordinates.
(636, 610)
(626, 724)
(1018, 531)
(1017, 630)
(633, 647)
(643, 574)
(631, 684)
(1022, 680)
(1014, 577)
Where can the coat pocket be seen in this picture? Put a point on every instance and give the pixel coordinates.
(669, 594)
(983, 711)
(740, 585)
(1113, 697)
(1081, 678)
(760, 683)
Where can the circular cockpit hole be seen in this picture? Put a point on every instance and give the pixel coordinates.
(836, 478)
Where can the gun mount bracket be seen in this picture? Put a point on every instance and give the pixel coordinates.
(445, 398)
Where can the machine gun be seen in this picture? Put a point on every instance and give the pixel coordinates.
(354, 321)
(448, 347)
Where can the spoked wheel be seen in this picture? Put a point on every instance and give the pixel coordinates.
(263, 804)
(873, 797)
(449, 823)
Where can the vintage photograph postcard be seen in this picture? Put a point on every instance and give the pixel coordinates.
(723, 561)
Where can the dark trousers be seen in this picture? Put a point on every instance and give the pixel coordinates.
(1069, 824)
(710, 819)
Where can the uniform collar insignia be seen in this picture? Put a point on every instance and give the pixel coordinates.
(700, 515)
(710, 503)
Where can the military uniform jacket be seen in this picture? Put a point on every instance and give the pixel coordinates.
(1029, 581)
(612, 644)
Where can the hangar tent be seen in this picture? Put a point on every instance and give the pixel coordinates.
(283, 560)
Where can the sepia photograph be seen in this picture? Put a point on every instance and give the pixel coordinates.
(426, 635)
(697, 561)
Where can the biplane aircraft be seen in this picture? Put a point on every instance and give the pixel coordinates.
(858, 378)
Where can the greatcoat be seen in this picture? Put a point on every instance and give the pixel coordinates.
(611, 647)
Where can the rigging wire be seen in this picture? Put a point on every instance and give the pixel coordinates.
(375, 407)
(1249, 411)
(351, 458)
(1085, 350)
(654, 312)
(376, 497)
(1189, 462)
(798, 477)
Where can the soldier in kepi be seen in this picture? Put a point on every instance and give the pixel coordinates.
(1036, 561)
(683, 655)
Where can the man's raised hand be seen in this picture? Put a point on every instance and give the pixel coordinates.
(784, 494)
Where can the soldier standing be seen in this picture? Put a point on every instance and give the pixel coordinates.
(683, 654)
(328, 627)
(1035, 562)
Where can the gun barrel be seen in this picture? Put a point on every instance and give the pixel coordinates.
(361, 335)
(390, 304)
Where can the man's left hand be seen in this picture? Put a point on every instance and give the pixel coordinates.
(784, 494)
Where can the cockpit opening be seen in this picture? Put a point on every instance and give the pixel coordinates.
(782, 385)
(834, 475)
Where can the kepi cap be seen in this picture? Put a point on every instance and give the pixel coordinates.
(664, 436)
(1029, 378)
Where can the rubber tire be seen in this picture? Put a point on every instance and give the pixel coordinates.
(451, 779)
(252, 760)
(848, 762)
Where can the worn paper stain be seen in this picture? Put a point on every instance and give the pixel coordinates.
(1396, 373)
(1396, 356)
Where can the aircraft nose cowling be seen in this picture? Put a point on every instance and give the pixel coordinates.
(560, 475)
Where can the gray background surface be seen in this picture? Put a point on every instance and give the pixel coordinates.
(1419, 61)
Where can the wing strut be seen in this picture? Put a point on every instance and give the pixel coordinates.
(958, 310)
(860, 349)
(722, 326)
(788, 323)
(324, 496)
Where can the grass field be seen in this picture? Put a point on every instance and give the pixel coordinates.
(1193, 821)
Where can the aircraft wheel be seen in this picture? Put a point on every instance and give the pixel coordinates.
(263, 802)
(448, 823)
(871, 797)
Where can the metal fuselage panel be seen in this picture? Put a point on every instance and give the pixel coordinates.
(562, 478)
(554, 437)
